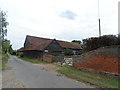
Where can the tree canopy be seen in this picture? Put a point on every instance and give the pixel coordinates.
(77, 41)
(5, 45)
(3, 24)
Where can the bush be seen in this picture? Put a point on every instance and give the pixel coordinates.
(68, 52)
(5, 58)
(13, 52)
(21, 55)
(118, 41)
(96, 42)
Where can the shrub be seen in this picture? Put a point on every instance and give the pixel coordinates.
(68, 52)
(96, 42)
(21, 55)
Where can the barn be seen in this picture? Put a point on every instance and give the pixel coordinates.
(20, 51)
(36, 47)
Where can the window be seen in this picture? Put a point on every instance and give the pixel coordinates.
(45, 50)
(74, 52)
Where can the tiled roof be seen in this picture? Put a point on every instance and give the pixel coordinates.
(38, 43)
(21, 49)
(71, 45)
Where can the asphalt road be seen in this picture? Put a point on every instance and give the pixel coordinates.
(36, 77)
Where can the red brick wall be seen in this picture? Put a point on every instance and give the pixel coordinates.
(101, 62)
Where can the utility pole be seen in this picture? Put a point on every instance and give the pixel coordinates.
(99, 19)
(99, 28)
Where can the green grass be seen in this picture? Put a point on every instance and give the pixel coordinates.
(35, 61)
(98, 80)
(0, 61)
(5, 58)
(0, 66)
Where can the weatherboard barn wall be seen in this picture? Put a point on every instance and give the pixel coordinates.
(33, 54)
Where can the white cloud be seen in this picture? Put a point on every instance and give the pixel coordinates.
(68, 14)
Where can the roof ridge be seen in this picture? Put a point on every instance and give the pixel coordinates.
(39, 37)
(51, 39)
(63, 41)
(68, 42)
(44, 41)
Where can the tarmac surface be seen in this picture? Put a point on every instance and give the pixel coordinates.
(22, 74)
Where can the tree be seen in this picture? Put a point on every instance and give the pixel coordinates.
(3, 24)
(118, 41)
(3, 31)
(11, 51)
(77, 41)
(5, 45)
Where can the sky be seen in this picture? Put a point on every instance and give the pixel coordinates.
(60, 19)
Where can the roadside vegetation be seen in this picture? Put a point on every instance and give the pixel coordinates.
(92, 78)
(0, 61)
(93, 43)
(5, 46)
(5, 58)
(35, 61)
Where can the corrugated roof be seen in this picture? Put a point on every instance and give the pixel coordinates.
(39, 43)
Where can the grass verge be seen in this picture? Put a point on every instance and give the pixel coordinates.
(5, 58)
(35, 61)
(98, 80)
